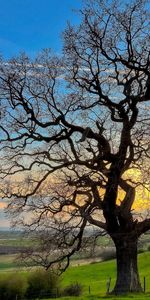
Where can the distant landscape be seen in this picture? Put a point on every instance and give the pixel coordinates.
(13, 243)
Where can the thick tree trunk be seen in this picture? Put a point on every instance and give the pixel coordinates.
(127, 269)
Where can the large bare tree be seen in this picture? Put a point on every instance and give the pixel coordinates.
(75, 137)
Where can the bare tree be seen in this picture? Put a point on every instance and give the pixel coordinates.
(75, 136)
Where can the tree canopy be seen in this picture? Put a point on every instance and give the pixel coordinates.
(75, 136)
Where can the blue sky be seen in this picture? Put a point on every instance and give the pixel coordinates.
(31, 25)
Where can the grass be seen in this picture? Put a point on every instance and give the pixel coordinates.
(103, 296)
(96, 275)
(128, 297)
(7, 262)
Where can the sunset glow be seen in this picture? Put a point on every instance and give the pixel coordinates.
(2, 205)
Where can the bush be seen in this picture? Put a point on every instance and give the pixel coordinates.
(12, 286)
(108, 254)
(141, 250)
(42, 283)
(39, 283)
(74, 289)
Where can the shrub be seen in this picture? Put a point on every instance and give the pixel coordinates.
(42, 283)
(12, 286)
(141, 250)
(74, 289)
(108, 254)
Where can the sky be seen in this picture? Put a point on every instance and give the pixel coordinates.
(31, 25)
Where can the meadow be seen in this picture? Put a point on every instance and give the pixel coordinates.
(96, 276)
(92, 276)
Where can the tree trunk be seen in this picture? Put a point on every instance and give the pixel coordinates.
(127, 269)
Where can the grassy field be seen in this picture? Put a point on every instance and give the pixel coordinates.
(94, 297)
(92, 277)
(96, 275)
(7, 262)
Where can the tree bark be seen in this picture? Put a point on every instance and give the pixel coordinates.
(127, 269)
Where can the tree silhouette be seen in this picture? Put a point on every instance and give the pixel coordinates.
(75, 137)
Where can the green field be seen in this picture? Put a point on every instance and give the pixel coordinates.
(96, 275)
(92, 277)
(7, 262)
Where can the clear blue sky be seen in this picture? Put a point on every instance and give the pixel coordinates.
(31, 25)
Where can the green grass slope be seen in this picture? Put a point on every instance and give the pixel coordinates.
(96, 275)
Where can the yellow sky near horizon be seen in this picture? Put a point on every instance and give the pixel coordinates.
(2, 205)
(141, 203)
(142, 199)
